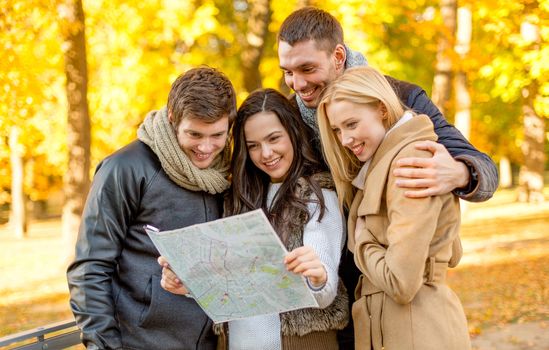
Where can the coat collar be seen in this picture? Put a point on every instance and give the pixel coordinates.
(419, 128)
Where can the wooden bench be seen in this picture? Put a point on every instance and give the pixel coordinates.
(54, 336)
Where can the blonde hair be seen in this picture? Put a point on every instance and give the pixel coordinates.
(359, 85)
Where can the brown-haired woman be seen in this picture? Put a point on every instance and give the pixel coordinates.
(275, 168)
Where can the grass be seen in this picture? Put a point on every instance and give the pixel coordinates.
(33, 291)
(503, 277)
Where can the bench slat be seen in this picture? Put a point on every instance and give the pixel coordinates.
(57, 342)
(61, 341)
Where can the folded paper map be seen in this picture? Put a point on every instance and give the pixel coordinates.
(234, 267)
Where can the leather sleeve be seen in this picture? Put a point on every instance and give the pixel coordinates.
(112, 201)
(483, 171)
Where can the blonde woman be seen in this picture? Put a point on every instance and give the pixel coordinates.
(402, 246)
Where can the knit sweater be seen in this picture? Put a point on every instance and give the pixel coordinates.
(326, 238)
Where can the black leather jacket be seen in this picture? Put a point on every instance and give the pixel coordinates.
(114, 281)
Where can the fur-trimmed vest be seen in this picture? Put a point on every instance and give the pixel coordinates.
(298, 323)
(336, 315)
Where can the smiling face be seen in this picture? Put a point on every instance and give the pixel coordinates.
(308, 69)
(202, 141)
(269, 145)
(358, 127)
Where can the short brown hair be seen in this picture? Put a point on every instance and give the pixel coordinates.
(203, 93)
(311, 23)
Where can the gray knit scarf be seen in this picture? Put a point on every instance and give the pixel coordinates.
(354, 59)
(157, 132)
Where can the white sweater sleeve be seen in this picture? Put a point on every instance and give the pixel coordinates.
(326, 238)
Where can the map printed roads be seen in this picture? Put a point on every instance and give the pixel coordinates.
(233, 267)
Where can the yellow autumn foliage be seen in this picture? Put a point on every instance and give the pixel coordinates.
(136, 49)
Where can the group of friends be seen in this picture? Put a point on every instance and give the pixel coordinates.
(359, 173)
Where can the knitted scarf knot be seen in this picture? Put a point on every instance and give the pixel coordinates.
(157, 132)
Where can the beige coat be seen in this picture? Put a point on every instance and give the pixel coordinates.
(403, 249)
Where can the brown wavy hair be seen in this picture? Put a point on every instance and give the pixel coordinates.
(250, 185)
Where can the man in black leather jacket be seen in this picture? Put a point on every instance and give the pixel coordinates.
(171, 177)
(312, 53)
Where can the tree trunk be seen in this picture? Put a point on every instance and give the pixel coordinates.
(463, 114)
(442, 82)
(258, 28)
(463, 99)
(531, 173)
(463, 105)
(18, 212)
(505, 173)
(76, 180)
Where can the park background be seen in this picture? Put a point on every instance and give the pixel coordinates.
(77, 78)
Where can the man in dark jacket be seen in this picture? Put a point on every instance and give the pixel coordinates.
(312, 53)
(171, 177)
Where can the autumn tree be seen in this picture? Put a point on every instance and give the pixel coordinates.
(76, 180)
(18, 212)
(442, 82)
(531, 172)
(29, 106)
(461, 86)
(259, 17)
(515, 73)
(136, 49)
